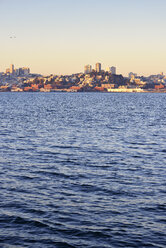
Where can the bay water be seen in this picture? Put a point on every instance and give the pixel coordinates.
(82, 170)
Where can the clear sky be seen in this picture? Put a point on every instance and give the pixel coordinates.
(61, 36)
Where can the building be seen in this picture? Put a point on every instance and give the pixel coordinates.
(113, 70)
(108, 86)
(7, 70)
(98, 67)
(16, 72)
(87, 69)
(11, 69)
(24, 71)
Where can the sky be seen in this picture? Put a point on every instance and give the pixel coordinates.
(61, 36)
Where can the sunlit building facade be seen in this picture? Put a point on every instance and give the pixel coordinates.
(87, 69)
(98, 67)
(11, 69)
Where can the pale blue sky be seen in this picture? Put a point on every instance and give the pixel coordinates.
(61, 36)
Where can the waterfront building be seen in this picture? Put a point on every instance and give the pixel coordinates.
(87, 69)
(108, 86)
(98, 67)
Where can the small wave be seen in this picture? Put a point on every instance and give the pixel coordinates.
(17, 220)
(57, 174)
(155, 208)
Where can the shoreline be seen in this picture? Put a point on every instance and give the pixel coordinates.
(113, 92)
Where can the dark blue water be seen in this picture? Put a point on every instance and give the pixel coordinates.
(82, 170)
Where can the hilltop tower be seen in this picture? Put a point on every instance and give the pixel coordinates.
(87, 69)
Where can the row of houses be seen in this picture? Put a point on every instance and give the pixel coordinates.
(94, 81)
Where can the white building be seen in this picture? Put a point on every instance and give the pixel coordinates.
(87, 69)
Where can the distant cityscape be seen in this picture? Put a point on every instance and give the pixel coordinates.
(91, 80)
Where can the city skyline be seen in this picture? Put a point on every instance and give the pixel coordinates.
(94, 79)
(86, 70)
(60, 37)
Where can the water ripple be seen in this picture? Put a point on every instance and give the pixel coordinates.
(82, 170)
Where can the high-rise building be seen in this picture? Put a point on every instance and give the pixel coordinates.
(113, 70)
(26, 70)
(23, 71)
(87, 69)
(16, 72)
(98, 67)
(11, 69)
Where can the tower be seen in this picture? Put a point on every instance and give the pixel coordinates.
(11, 69)
(113, 70)
(98, 67)
(87, 69)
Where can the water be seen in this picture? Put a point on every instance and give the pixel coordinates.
(82, 170)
